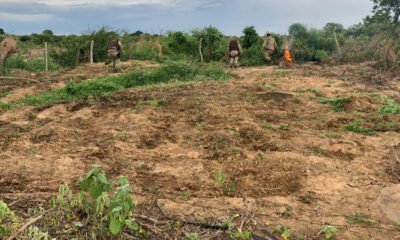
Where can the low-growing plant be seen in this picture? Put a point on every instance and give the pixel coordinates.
(356, 126)
(360, 219)
(391, 108)
(192, 236)
(105, 206)
(337, 104)
(283, 232)
(328, 231)
(8, 221)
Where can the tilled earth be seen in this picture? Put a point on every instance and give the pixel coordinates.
(287, 159)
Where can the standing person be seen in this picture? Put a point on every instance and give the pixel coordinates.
(115, 50)
(7, 47)
(235, 50)
(269, 47)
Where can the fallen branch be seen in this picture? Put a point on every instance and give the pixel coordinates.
(22, 229)
(19, 78)
(155, 221)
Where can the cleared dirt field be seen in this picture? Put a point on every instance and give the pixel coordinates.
(288, 159)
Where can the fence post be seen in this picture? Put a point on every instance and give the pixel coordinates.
(46, 53)
(91, 51)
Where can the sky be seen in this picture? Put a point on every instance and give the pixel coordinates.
(160, 16)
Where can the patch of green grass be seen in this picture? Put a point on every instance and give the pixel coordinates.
(332, 135)
(105, 86)
(284, 127)
(360, 219)
(268, 125)
(5, 106)
(390, 108)
(336, 103)
(269, 86)
(357, 127)
(200, 125)
(185, 196)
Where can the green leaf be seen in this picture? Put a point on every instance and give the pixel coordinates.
(115, 227)
(96, 191)
(131, 224)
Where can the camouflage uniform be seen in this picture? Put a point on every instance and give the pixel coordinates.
(115, 50)
(269, 47)
(7, 47)
(234, 50)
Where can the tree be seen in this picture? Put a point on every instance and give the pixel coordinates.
(333, 27)
(210, 36)
(250, 37)
(48, 32)
(2, 32)
(391, 7)
(298, 30)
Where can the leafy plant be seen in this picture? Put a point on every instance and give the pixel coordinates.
(95, 182)
(8, 221)
(284, 232)
(328, 231)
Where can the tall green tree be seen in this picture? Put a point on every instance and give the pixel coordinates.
(391, 7)
(250, 37)
(2, 32)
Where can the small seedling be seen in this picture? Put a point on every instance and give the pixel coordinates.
(121, 136)
(328, 231)
(285, 233)
(219, 177)
(200, 125)
(268, 125)
(185, 196)
(284, 127)
(192, 236)
(269, 86)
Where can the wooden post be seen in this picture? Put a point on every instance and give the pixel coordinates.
(201, 53)
(91, 51)
(337, 44)
(46, 56)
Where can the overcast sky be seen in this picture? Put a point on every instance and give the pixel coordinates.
(154, 16)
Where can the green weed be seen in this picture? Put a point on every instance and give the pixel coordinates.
(328, 231)
(284, 232)
(360, 219)
(192, 236)
(356, 127)
(285, 127)
(390, 108)
(337, 104)
(8, 221)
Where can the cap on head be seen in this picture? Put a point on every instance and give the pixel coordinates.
(268, 34)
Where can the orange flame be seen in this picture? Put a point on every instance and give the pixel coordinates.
(288, 56)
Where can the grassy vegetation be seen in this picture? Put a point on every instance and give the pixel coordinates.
(390, 108)
(32, 65)
(336, 103)
(356, 126)
(360, 219)
(171, 72)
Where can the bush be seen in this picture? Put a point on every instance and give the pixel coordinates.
(253, 56)
(32, 65)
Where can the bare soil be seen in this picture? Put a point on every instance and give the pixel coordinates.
(287, 158)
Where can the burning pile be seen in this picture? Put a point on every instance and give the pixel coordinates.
(288, 56)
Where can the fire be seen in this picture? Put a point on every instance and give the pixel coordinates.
(288, 56)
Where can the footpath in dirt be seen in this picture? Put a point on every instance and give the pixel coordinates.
(287, 158)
